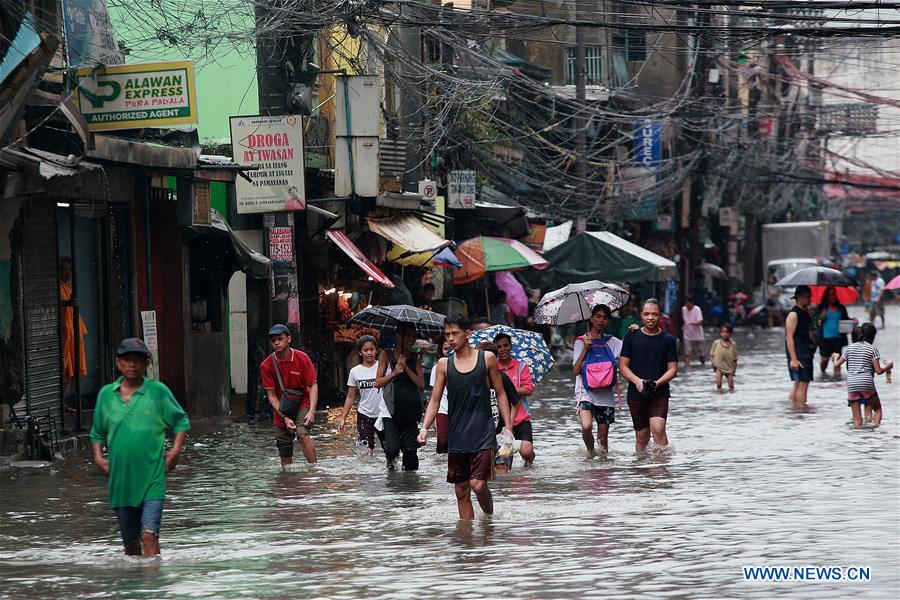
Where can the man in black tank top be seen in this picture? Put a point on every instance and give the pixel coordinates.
(468, 376)
(798, 344)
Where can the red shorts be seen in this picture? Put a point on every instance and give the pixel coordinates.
(442, 426)
(464, 466)
(643, 409)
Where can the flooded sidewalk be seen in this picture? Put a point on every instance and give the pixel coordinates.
(749, 482)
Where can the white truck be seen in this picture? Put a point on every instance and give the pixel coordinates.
(789, 247)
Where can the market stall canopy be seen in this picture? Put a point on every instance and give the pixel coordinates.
(603, 256)
(245, 258)
(408, 232)
(443, 258)
(356, 255)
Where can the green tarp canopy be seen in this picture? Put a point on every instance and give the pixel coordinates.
(600, 255)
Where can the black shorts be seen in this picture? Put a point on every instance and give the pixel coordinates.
(522, 432)
(465, 466)
(643, 409)
(829, 346)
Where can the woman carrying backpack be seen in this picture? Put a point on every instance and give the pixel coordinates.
(596, 378)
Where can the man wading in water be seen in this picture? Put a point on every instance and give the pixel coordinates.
(289, 378)
(131, 419)
(649, 361)
(468, 376)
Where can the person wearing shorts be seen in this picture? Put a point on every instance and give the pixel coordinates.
(863, 363)
(799, 345)
(131, 418)
(692, 332)
(649, 361)
(596, 405)
(296, 378)
(468, 375)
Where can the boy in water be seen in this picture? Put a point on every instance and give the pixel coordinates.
(724, 357)
(863, 362)
(468, 376)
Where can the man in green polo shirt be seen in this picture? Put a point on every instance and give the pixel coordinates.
(131, 419)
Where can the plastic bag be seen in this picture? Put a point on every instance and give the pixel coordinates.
(505, 442)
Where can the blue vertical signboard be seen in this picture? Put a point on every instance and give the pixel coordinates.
(647, 146)
(647, 155)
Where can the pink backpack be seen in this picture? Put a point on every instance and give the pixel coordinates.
(598, 371)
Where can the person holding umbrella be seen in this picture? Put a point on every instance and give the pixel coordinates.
(829, 315)
(401, 380)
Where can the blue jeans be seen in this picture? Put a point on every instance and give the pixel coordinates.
(133, 520)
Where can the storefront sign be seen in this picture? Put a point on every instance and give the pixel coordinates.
(664, 223)
(131, 96)
(647, 146)
(281, 244)
(89, 35)
(461, 189)
(148, 332)
(274, 147)
(536, 235)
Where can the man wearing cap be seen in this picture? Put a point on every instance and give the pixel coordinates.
(799, 345)
(293, 393)
(131, 418)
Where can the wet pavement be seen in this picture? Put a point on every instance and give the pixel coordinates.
(748, 481)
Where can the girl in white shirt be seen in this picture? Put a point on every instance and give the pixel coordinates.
(361, 382)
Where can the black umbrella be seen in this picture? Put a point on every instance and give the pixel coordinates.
(388, 318)
(817, 276)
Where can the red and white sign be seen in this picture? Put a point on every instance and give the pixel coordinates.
(428, 189)
(281, 244)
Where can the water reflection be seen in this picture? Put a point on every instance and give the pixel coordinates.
(748, 481)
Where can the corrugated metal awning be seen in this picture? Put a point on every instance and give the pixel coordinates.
(356, 255)
(408, 232)
(45, 164)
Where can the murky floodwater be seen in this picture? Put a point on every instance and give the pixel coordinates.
(750, 482)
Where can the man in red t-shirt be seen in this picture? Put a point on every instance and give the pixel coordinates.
(298, 376)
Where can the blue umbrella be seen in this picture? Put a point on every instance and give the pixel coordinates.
(527, 346)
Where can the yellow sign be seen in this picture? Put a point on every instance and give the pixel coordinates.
(131, 96)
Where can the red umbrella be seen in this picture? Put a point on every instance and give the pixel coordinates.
(845, 295)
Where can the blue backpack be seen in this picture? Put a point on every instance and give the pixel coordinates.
(598, 371)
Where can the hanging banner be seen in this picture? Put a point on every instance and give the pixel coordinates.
(647, 146)
(90, 39)
(148, 332)
(273, 146)
(132, 96)
(461, 189)
(281, 244)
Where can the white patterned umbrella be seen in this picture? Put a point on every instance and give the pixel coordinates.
(574, 302)
(527, 346)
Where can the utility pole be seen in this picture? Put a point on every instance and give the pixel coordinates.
(581, 101)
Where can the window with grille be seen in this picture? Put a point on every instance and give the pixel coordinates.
(632, 43)
(593, 66)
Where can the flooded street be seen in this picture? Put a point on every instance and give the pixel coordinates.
(749, 481)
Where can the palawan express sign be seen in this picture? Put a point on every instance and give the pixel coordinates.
(132, 96)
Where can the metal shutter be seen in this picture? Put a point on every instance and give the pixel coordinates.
(40, 289)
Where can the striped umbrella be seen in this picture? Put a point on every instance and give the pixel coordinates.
(485, 254)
